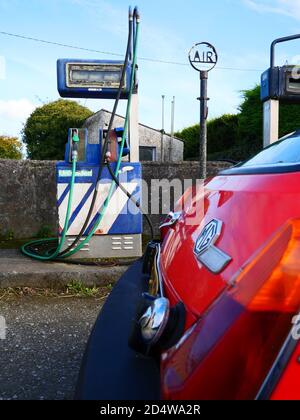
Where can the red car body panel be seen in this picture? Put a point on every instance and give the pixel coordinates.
(288, 388)
(251, 207)
(228, 352)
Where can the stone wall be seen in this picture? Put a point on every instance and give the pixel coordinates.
(28, 192)
(171, 171)
(27, 197)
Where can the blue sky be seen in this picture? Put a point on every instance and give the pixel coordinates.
(241, 30)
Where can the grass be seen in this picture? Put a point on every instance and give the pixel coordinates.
(73, 290)
(13, 243)
(78, 289)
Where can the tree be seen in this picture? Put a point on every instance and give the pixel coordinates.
(10, 148)
(190, 136)
(250, 123)
(46, 130)
(222, 135)
(239, 136)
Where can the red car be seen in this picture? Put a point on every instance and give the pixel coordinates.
(212, 310)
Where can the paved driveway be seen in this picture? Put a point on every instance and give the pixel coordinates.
(45, 340)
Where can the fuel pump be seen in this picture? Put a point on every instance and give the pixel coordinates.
(118, 234)
(278, 85)
(99, 183)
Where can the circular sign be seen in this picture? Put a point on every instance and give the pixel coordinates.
(203, 56)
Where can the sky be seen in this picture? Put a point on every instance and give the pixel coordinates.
(241, 31)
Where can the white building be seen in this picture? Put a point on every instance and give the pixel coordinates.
(150, 139)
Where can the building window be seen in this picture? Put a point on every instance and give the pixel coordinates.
(147, 153)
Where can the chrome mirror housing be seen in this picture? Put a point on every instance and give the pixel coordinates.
(154, 320)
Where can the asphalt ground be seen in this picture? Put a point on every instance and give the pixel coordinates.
(44, 344)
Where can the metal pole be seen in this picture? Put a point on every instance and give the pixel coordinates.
(134, 129)
(162, 128)
(203, 127)
(271, 121)
(172, 127)
(172, 117)
(278, 41)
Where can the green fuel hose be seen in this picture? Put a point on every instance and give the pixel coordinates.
(50, 255)
(113, 184)
(31, 248)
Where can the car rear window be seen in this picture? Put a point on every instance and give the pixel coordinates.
(286, 151)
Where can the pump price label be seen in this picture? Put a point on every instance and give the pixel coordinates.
(65, 173)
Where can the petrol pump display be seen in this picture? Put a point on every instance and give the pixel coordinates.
(92, 78)
(99, 182)
(281, 83)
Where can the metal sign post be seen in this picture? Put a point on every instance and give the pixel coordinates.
(271, 121)
(203, 126)
(203, 58)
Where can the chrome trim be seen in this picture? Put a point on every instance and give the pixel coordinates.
(277, 369)
(214, 259)
(174, 218)
(199, 248)
(157, 263)
(154, 320)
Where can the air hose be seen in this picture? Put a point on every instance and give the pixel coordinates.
(118, 164)
(116, 180)
(31, 248)
(131, 198)
(34, 249)
(128, 54)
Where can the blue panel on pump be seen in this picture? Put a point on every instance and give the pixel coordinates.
(92, 78)
(122, 217)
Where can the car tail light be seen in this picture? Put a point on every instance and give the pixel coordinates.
(271, 282)
(229, 352)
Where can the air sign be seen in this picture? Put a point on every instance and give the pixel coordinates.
(203, 56)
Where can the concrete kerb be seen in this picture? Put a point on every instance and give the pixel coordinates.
(17, 270)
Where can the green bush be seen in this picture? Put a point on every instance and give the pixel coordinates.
(190, 136)
(240, 136)
(222, 134)
(250, 137)
(46, 130)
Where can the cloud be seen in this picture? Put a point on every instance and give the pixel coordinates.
(289, 8)
(13, 113)
(16, 109)
(153, 38)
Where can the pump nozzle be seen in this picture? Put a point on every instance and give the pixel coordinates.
(130, 18)
(136, 13)
(130, 14)
(75, 136)
(75, 141)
